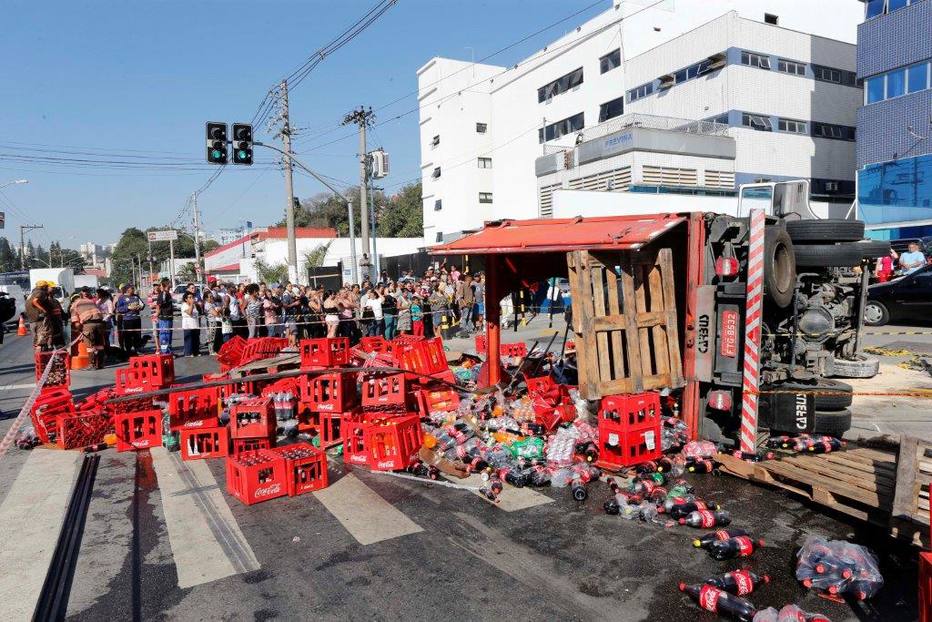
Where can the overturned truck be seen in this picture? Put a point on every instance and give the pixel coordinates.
(749, 317)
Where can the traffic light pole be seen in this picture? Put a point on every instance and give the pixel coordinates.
(289, 186)
(197, 240)
(22, 243)
(349, 204)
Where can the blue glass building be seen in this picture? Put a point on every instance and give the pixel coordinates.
(894, 132)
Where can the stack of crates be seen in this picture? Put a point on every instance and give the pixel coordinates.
(52, 404)
(194, 413)
(327, 397)
(385, 393)
(252, 425)
(629, 430)
(256, 476)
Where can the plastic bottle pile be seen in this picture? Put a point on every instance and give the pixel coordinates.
(837, 568)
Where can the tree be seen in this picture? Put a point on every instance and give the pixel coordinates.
(187, 271)
(403, 216)
(8, 259)
(277, 273)
(315, 258)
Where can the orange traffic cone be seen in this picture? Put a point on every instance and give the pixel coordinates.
(22, 330)
(82, 360)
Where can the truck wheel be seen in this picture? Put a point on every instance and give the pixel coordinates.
(779, 267)
(832, 423)
(829, 395)
(838, 229)
(860, 367)
(876, 313)
(845, 255)
(873, 249)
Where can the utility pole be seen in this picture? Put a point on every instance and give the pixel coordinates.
(197, 240)
(363, 118)
(289, 184)
(149, 258)
(22, 243)
(171, 261)
(375, 232)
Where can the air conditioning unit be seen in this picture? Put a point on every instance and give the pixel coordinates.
(380, 164)
(667, 81)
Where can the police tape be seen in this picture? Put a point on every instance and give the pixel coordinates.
(10, 437)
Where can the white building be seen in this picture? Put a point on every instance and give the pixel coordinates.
(235, 261)
(777, 74)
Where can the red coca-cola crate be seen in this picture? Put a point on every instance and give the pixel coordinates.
(540, 384)
(193, 408)
(925, 587)
(52, 403)
(385, 391)
(305, 467)
(146, 373)
(374, 344)
(256, 476)
(259, 348)
(425, 357)
(404, 340)
(393, 444)
(284, 385)
(333, 392)
(324, 353)
(513, 350)
(330, 429)
(244, 445)
(231, 353)
(437, 398)
(60, 374)
(253, 419)
(481, 344)
(198, 444)
(354, 441)
(629, 429)
(138, 430)
(83, 429)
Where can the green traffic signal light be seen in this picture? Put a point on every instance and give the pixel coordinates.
(241, 155)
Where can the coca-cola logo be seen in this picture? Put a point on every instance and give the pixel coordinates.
(133, 390)
(743, 582)
(386, 464)
(744, 546)
(325, 407)
(142, 443)
(361, 459)
(707, 518)
(194, 424)
(268, 491)
(708, 597)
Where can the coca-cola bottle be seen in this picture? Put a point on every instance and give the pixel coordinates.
(699, 465)
(705, 541)
(718, 601)
(732, 548)
(825, 445)
(759, 456)
(830, 583)
(588, 451)
(579, 490)
(682, 510)
(739, 582)
(706, 519)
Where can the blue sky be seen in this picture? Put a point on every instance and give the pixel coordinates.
(140, 78)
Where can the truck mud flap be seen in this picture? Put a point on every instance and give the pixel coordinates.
(787, 410)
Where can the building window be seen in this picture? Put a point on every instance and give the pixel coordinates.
(610, 61)
(482, 128)
(874, 91)
(485, 162)
(876, 8)
(756, 122)
(770, 18)
(918, 77)
(835, 76)
(755, 60)
(896, 83)
(436, 173)
(561, 128)
(834, 132)
(435, 141)
(831, 186)
(792, 126)
(439, 237)
(642, 91)
(438, 205)
(612, 109)
(560, 85)
(485, 197)
(789, 66)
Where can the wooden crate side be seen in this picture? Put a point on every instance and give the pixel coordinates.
(913, 476)
(667, 283)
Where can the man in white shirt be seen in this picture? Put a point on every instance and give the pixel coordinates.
(912, 260)
(377, 325)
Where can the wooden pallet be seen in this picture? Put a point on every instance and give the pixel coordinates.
(911, 501)
(859, 482)
(627, 321)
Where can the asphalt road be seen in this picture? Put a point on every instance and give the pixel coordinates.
(164, 541)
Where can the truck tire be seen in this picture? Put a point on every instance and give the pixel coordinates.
(845, 255)
(876, 313)
(832, 423)
(873, 249)
(838, 229)
(779, 267)
(861, 367)
(830, 395)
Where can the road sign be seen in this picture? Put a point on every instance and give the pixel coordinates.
(167, 235)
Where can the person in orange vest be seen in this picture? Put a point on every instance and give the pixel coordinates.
(86, 316)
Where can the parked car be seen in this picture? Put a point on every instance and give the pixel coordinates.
(902, 245)
(904, 298)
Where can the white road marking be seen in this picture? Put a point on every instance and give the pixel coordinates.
(31, 516)
(206, 540)
(512, 499)
(16, 387)
(363, 513)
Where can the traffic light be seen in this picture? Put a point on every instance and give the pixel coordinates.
(242, 143)
(216, 142)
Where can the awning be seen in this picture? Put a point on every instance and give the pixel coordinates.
(561, 235)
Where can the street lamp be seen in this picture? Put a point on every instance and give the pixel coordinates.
(14, 182)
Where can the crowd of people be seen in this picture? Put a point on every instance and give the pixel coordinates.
(424, 305)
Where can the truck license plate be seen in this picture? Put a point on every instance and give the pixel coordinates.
(729, 333)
